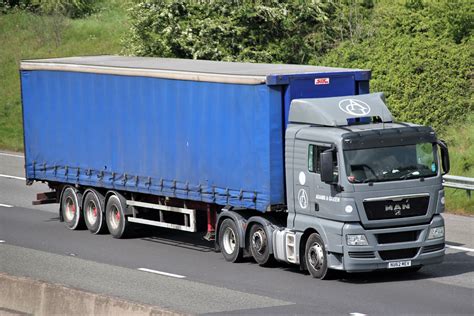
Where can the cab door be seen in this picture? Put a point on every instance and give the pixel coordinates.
(323, 195)
(303, 180)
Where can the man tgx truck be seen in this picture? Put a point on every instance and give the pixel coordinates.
(299, 164)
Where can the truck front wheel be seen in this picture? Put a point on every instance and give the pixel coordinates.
(229, 241)
(259, 245)
(115, 217)
(316, 257)
(70, 208)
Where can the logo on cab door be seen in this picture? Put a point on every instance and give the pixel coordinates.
(303, 198)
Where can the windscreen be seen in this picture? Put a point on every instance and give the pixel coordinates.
(391, 163)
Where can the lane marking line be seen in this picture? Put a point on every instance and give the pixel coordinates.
(2, 241)
(357, 314)
(11, 177)
(6, 205)
(12, 155)
(460, 248)
(162, 273)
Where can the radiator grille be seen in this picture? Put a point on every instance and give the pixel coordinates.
(390, 238)
(398, 254)
(388, 209)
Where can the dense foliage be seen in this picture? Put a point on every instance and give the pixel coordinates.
(273, 31)
(421, 56)
(420, 52)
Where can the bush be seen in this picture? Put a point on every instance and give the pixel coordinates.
(421, 57)
(260, 31)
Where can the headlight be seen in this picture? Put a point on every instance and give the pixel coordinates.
(436, 232)
(356, 240)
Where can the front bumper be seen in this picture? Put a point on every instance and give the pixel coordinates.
(385, 246)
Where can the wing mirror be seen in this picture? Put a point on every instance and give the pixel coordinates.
(444, 156)
(327, 166)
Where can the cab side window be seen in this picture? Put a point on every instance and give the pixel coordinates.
(314, 160)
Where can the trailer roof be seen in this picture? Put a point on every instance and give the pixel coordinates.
(182, 69)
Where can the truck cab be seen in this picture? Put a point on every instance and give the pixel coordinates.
(368, 187)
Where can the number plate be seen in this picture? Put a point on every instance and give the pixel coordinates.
(399, 264)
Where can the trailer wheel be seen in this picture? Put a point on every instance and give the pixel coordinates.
(229, 241)
(316, 257)
(94, 212)
(259, 246)
(115, 217)
(71, 209)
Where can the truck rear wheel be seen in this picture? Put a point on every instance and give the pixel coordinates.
(115, 217)
(94, 212)
(259, 245)
(71, 209)
(229, 241)
(316, 257)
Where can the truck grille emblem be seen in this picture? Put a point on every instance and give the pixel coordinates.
(397, 208)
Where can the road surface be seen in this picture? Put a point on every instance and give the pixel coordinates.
(180, 271)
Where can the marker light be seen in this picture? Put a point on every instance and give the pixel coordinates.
(356, 240)
(436, 232)
(349, 209)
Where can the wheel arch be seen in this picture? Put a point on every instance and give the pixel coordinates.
(96, 193)
(302, 247)
(267, 224)
(126, 210)
(240, 221)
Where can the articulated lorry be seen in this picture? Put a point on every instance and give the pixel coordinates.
(291, 163)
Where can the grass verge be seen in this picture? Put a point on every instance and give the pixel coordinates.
(26, 36)
(461, 149)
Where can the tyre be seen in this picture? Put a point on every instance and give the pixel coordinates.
(71, 209)
(259, 245)
(117, 223)
(229, 241)
(93, 209)
(316, 257)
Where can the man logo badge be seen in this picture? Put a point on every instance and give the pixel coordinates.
(303, 198)
(397, 208)
(354, 107)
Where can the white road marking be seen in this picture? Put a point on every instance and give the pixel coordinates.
(357, 314)
(12, 155)
(6, 205)
(11, 177)
(163, 273)
(2, 241)
(460, 248)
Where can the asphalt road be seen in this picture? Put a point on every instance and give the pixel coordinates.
(34, 243)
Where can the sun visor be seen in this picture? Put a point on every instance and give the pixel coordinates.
(340, 111)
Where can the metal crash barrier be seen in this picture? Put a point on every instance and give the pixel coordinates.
(458, 182)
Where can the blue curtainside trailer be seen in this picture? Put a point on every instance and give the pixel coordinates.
(197, 130)
(294, 163)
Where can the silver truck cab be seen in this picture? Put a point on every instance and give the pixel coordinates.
(370, 188)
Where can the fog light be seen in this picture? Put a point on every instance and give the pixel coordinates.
(436, 232)
(356, 240)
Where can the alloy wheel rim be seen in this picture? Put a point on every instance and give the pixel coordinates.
(316, 256)
(229, 240)
(70, 209)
